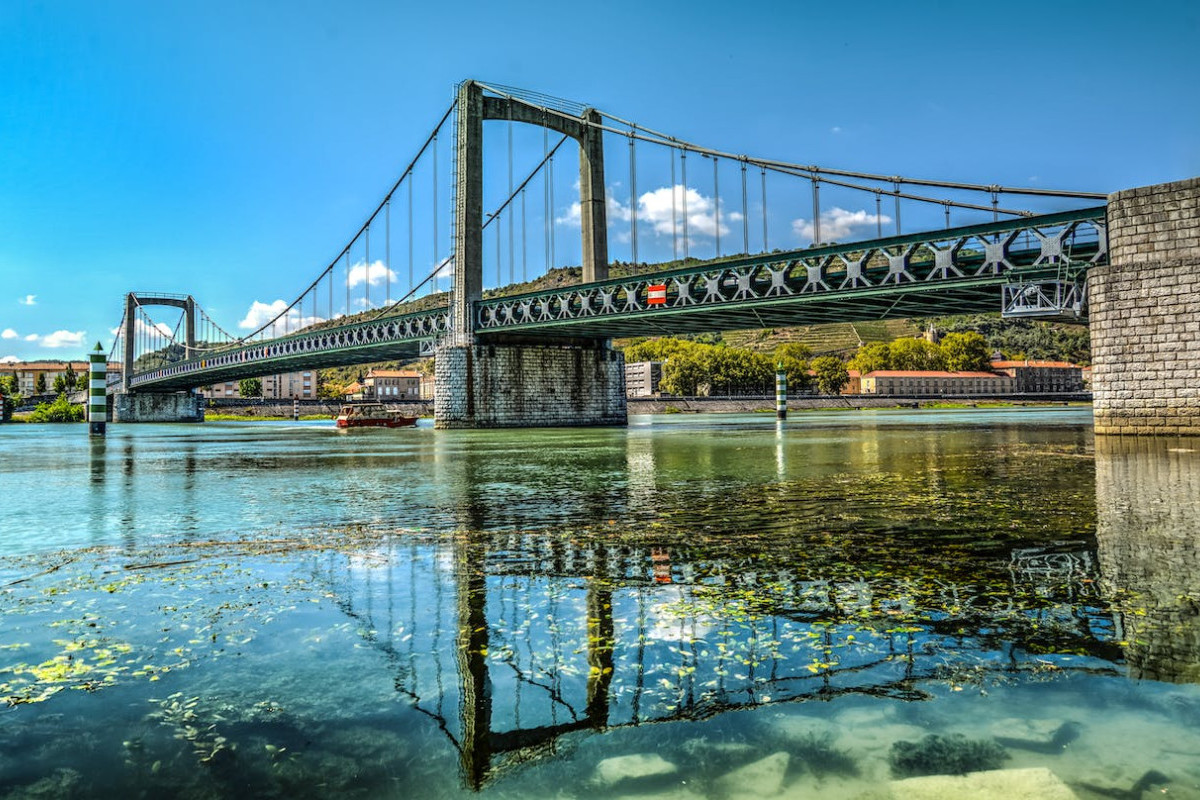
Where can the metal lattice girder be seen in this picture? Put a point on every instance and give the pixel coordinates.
(375, 340)
(957, 271)
(952, 271)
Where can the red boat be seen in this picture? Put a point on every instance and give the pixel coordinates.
(372, 415)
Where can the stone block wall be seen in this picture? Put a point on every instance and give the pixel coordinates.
(1147, 515)
(158, 407)
(529, 386)
(1145, 313)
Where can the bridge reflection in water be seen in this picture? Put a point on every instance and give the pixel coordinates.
(516, 643)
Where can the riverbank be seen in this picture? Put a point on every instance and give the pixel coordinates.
(747, 405)
(317, 410)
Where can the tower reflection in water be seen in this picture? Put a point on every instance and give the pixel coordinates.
(510, 641)
(1148, 537)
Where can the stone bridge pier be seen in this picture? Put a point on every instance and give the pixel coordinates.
(1144, 307)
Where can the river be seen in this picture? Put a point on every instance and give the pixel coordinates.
(693, 607)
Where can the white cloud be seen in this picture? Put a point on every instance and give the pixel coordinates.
(28, 300)
(262, 313)
(658, 212)
(836, 129)
(837, 224)
(33, 337)
(9, 360)
(63, 339)
(378, 273)
(8, 333)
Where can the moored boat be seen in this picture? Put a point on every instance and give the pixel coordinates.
(372, 415)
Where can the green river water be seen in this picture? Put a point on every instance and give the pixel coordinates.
(693, 607)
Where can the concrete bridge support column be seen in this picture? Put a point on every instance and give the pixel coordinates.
(158, 407)
(522, 385)
(1145, 313)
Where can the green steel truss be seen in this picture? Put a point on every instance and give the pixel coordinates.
(1034, 266)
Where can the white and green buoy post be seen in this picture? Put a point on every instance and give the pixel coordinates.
(780, 391)
(97, 391)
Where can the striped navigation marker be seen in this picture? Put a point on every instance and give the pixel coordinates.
(780, 392)
(656, 294)
(97, 391)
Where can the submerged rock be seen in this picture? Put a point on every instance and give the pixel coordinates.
(62, 784)
(620, 768)
(761, 778)
(1037, 783)
(945, 755)
(1039, 736)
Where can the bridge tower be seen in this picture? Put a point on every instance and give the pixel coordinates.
(486, 381)
(134, 406)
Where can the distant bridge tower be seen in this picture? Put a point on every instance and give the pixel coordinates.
(132, 406)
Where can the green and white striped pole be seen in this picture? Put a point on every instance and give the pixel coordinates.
(97, 391)
(780, 392)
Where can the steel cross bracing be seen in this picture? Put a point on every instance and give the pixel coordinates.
(952, 271)
(1037, 265)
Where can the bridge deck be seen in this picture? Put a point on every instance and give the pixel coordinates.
(952, 271)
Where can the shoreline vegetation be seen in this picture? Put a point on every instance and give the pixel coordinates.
(670, 405)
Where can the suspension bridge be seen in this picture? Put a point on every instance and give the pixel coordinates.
(518, 343)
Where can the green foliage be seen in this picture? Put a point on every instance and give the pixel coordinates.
(70, 379)
(872, 356)
(965, 352)
(794, 358)
(60, 384)
(945, 755)
(250, 387)
(654, 349)
(61, 410)
(39, 385)
(1025, 338)
(686, 370)
(916, 354)
(830, 374)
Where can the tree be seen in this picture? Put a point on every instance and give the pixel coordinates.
(60, 384)
(39, 385)
(330, 390)
(686, 370)
(965, 352)
(733, 370)
(654, 349)
(793, 358)
(916, 354)
(871, 357)
(70, 379)
(250, 387)
(830, 373)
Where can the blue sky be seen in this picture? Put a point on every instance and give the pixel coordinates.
(229, 150)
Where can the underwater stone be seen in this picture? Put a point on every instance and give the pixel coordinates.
(762, 778)
(1036, 783)
(945, 755)
(620, 768)
(62, 784)
(1039, 736)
